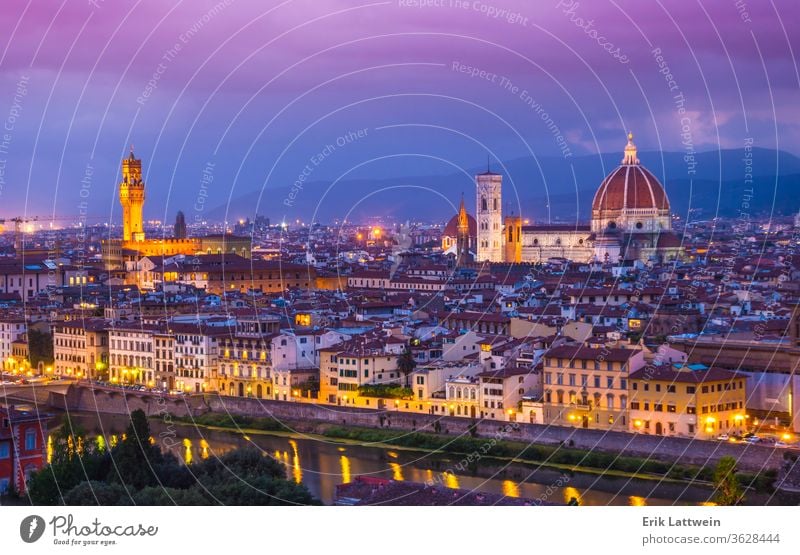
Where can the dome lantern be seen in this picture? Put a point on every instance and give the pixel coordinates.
(630, 152)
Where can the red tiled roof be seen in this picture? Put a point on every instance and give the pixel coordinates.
(630, 186)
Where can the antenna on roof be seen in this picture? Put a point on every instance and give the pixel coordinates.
(488, 167)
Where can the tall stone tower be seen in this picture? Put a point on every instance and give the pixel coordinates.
(463, 254)
(131, 197)
(180, 225)
(490, 216)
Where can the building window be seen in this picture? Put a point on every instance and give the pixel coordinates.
(30, 440)
(5, 451)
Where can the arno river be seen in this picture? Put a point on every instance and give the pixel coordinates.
(323, 464)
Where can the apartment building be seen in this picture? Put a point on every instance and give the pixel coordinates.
(681, 401)
(11, 328)
(80, 349)
(196, 354)
(131, 353)
(164, 342)
(354, 363)
(586, 386)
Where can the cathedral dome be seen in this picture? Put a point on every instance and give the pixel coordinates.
(631, 199)
(630, 186)
(451, 229)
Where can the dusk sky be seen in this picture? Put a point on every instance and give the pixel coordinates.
(259, 88)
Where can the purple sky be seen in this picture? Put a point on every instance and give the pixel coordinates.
(258, 88)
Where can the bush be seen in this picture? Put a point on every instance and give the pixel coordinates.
(386, 391)
(233, 421)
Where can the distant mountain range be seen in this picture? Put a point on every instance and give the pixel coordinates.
(549, 188)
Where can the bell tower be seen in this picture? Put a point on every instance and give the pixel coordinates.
(489, 213)
(131, 197)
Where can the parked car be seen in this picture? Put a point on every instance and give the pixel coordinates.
(781, 445)
(723, 437)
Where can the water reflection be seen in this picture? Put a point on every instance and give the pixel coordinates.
(397, 471)
(345, 462)
(571, 494)
(187, 451)
(450, 480)
(510, 488)
(322, 465)
(297, 472)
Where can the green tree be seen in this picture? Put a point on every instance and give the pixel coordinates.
(726, 483)
(135, 457)
(97, 493)
(247, 477)
(136, 472)
(406, 364)
(72, 460)
(157, 496)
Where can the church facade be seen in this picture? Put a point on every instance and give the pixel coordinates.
(630, 221)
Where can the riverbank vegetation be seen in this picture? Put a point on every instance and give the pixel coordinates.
(385, 391)
(135, 471)
(232, 421)
(467, 446)
(476, 447)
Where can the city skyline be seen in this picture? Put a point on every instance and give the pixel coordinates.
(208, 94)
(400, 252)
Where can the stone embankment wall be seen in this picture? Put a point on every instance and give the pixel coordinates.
(305, 417)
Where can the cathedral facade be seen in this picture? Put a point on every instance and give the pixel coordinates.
(630, 221)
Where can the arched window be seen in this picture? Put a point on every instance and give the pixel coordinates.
(484, 206)
(610, 401)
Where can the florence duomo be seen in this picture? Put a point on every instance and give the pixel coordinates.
(505, 254)
(630, 221)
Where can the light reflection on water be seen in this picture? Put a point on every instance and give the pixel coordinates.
(321, 465)
(510, 488)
